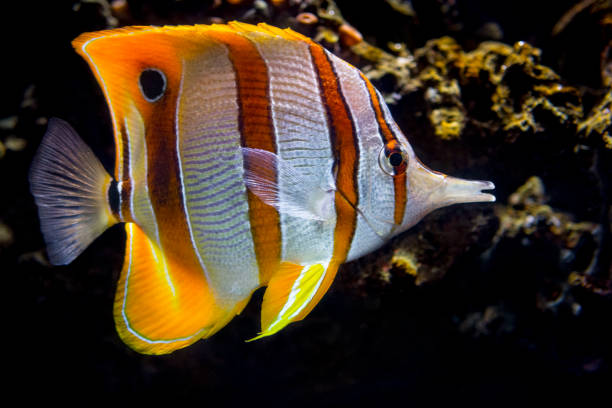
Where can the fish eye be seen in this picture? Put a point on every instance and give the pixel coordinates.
(393, 159)
(152, 83)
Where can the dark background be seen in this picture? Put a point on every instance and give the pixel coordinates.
(380, 344)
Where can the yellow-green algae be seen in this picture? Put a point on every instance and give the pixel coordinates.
(527, 213)
(599, 121)
(441, 68)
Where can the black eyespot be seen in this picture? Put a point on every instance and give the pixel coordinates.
(113, 197)
(152, 84)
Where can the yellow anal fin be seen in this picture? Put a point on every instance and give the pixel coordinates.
(160, 306)
(290, 291)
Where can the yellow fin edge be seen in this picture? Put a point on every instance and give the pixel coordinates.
(289, 292)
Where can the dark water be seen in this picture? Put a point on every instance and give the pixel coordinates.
(368, 342)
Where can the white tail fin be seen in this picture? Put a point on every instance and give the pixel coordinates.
(70, 187)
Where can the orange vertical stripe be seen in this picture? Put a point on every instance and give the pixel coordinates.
(118, 58)
(344, 148)
(399, 181)
(163, 177)
(257, 132)
(165, 191)
(345, 151)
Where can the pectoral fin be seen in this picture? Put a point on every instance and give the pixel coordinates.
(303, 196)
(160, 306)
(290, 292)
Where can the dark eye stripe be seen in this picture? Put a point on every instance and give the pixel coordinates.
(152, 83)
(399, 181)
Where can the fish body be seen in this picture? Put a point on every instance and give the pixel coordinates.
(246, 156)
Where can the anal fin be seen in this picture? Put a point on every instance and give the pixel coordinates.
(161, 306)
(290, 293)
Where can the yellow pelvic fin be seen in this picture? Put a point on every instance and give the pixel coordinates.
(290, 291)
(161, 306)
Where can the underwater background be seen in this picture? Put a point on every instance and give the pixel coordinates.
(487, 303)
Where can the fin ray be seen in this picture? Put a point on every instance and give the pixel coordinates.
(303, 197)
(70, 186)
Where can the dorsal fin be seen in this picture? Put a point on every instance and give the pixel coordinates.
(117, 58)
(188, 31)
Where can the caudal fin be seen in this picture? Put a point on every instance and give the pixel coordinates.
(70, 187)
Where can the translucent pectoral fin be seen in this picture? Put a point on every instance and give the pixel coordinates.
(303, 196)
(291, 293)
(161, 307)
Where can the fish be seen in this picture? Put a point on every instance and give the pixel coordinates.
(247, 156)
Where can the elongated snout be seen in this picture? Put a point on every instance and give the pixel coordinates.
(453, 190)
(429, 190)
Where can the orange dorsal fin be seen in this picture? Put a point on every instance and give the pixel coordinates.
(118, 57)
(263, 28)
(292, 292)
(160, 306)
(190, 30)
